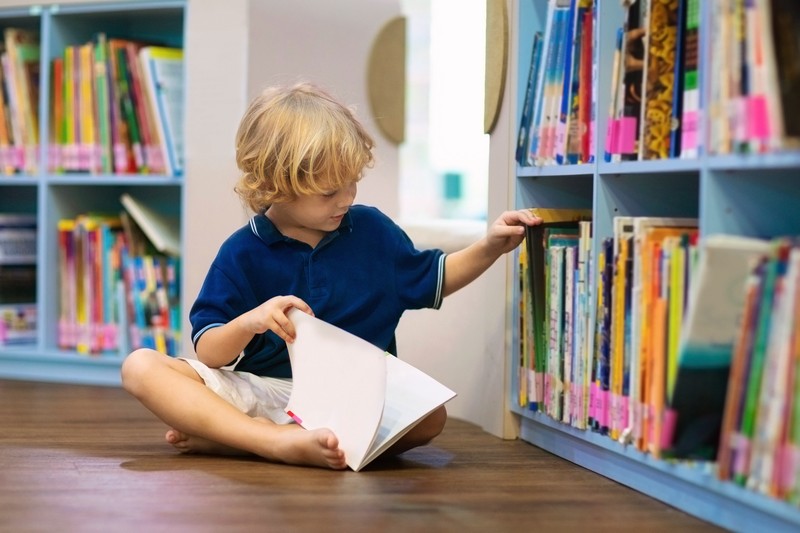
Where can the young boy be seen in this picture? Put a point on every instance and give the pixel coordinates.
(301, 154)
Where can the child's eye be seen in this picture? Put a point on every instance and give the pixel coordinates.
(329, 194)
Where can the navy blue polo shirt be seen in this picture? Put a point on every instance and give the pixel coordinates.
(361, 278)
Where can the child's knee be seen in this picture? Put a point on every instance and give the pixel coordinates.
(432, 426)
(135, 368)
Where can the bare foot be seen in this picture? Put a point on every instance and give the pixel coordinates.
(191, 444)
(289, 444)
(317, 447)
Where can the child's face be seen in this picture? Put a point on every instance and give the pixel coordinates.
(323, 212)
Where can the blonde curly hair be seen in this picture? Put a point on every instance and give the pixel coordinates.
(295, 141)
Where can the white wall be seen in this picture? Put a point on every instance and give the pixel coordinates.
(235, 48)
(328, 43)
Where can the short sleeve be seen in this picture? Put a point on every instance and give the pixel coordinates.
(219, 302)
(419, 274)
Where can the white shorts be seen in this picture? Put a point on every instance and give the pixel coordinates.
(254, 395)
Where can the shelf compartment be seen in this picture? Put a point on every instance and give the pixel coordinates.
(66, 200)
(161, 22)
(752, 203)
(663, 194)
(555, 191)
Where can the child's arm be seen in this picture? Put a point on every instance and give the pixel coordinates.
(219, 346)
(505, 234)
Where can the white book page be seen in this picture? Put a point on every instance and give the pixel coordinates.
(339, 383)
(368, 398)
(411, 395)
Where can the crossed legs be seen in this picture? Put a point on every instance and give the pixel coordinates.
(202, 421)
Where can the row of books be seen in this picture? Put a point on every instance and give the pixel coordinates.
(557, 123)
(656, 93)
(693, 350)
(753, 79)
(555, 332)
(117, 292)
(760, 432)
(657, 89)
(115, 107)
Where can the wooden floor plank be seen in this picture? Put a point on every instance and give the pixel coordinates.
(80, 458)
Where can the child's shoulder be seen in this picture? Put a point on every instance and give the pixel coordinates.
(368, 213)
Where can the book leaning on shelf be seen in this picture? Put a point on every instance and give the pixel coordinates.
(715, 307)
(151, 273)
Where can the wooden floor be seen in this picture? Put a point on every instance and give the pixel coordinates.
(75, 458)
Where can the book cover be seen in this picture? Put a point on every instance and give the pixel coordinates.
(87, 139)
(102, 91)
(690, 110)
(715, 307)
(545, 61)
(367, 397)
(678, 80)
(633, 84)
(562, 117)
(6, 160)
(660, 65)
(737, 377)
(132, 128)
(784, 16)
(162, 77)
(554, 80)
(22, 47)
(526, 120)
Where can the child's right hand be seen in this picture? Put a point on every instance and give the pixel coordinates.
(271, 315)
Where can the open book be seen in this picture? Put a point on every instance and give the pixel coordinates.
(367, 397)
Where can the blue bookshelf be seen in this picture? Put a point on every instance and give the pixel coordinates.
(53, 196)
(735, 194)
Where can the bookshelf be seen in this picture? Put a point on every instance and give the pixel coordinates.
(51, 195)
(218, 88)
(745, 195)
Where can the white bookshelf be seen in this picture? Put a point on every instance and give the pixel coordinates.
(740, 195)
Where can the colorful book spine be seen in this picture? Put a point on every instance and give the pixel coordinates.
(690, 113)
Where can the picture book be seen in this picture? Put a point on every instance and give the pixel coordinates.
(367, 397)
(714, 312)
(162, 70)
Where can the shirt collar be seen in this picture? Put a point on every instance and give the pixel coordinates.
(265, 229)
